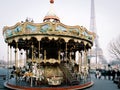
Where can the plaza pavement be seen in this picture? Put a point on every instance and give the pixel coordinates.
(102, 84)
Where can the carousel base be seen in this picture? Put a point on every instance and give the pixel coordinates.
(20, 86)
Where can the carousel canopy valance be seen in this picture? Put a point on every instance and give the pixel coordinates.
(57, 29)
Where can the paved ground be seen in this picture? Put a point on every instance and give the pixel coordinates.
(101, 84)
(2, 80)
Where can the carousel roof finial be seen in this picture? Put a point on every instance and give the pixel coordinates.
(51, 16)
(51, 1)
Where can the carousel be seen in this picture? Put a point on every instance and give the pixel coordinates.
(48, 55)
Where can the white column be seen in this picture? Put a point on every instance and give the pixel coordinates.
(24, 57)
(80, 62)
(10, 55)
(8, 60)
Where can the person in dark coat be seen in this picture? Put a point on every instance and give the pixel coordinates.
(14, 68)
(118, 73)
(113, 74)
(109, 74)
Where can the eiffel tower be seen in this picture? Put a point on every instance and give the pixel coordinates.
(96, 51)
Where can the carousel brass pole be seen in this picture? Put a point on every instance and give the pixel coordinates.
(26, 56)
(10, 58)
(85, 58)
(8, 64)
(10, 55)
(32, 64)
(66, 52)
(32, 53)
(16, 59)
(70, 55)
(79, 62)
(16, 55)
(39, 50)
(45, 55)
(59, 55)
(24, 53)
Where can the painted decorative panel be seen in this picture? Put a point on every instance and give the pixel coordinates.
(9, 33)
(17, 29)
(74, 31)
(45, 28)
(87, 36)
(31, 28)
(60, 28)
(85, 33)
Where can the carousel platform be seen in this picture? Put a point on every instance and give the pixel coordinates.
(12, 84)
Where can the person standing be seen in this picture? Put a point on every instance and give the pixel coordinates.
(109, 74)
(99, 75)
(113, 74)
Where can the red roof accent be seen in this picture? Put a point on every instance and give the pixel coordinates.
(51, 1)
(51, 17)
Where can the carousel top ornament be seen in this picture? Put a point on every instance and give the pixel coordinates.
(51, 1)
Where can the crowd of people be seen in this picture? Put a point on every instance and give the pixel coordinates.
(107, 74)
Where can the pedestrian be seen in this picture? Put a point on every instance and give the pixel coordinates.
(113, 73)
(104, 73)
(118, 73)
(96, 74)
(109, 74)
(99, 75)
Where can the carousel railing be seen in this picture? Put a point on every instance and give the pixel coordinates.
(44, 61)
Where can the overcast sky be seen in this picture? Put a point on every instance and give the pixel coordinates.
(70, 12)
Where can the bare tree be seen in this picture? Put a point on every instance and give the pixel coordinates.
(114, 48)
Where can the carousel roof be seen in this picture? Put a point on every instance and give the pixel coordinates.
(51, 29)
